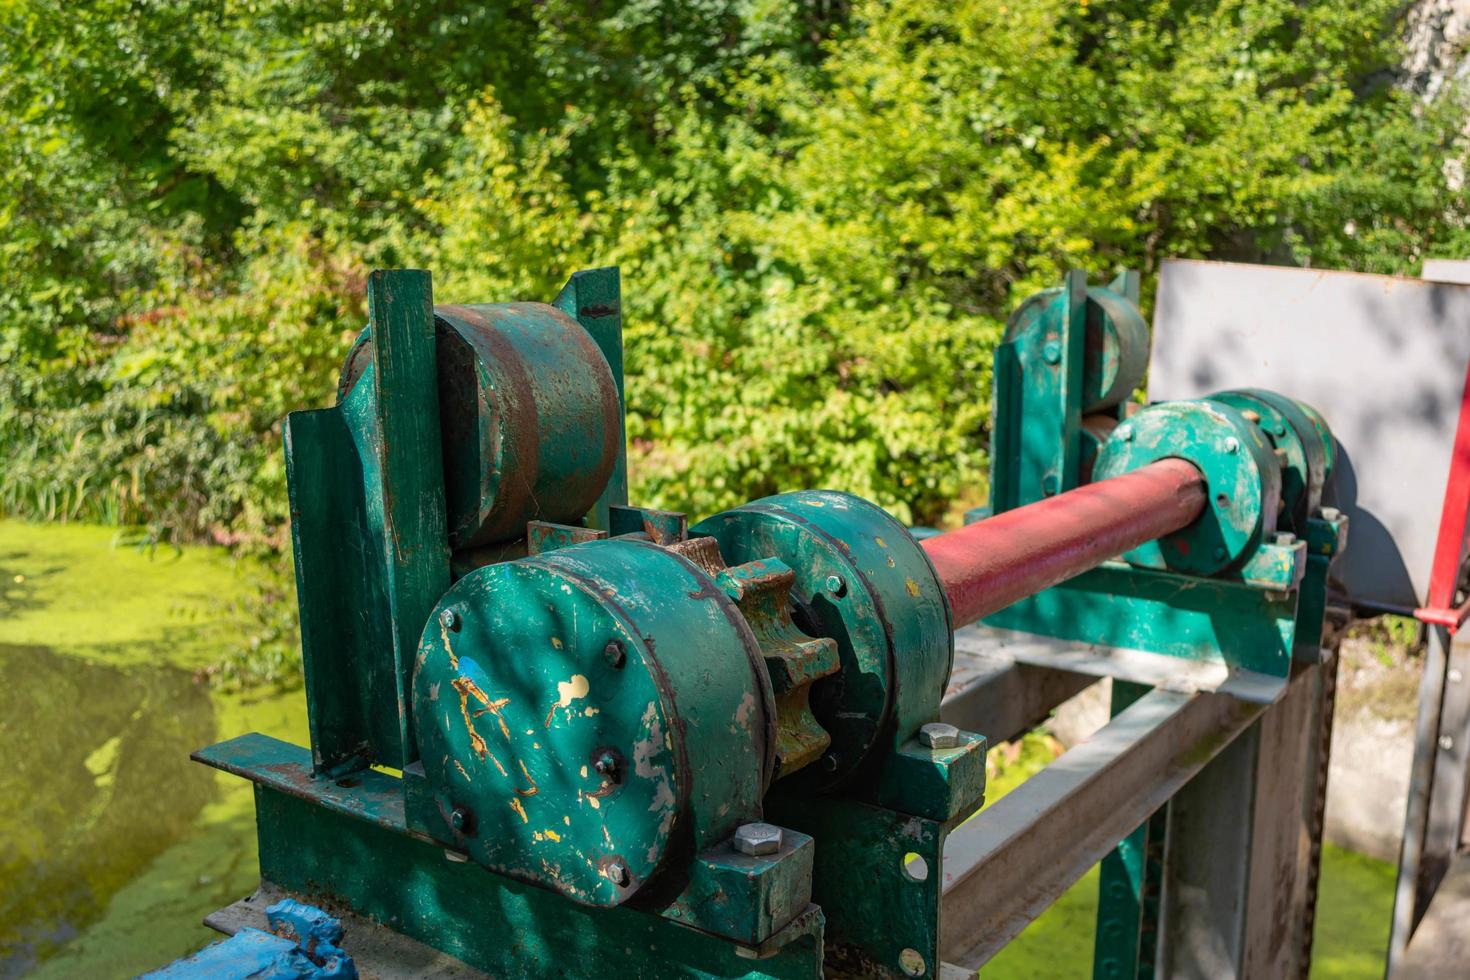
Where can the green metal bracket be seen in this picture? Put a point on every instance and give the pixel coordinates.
(346, 467)
(1069, 358)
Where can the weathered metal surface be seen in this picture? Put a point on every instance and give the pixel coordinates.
(494, 923)
(1129, 885)
(747, 897)
(877, 880)
(663, 527)
(594, 298)
(1301, 437)
(1237, 875)
(1004, 867)
(986, 566)
(1435, 819)
(543, 536)
(793, 660)
(1239, 468)
(1213, 620)
(862, 580)
(573, 731)
(998, 696)
(368, 532)
(378, 951)
(1066, 352)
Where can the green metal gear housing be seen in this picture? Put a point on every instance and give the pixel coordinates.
(1303, 441)
(864, 581)
(1242, 476)
(585, 714)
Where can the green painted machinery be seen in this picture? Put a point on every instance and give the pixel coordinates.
(554, 734)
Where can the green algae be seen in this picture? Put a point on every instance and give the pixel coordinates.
(113, 844)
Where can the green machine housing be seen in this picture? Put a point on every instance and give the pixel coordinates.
(553, 734)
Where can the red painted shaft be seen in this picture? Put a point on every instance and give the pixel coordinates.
(986, 566)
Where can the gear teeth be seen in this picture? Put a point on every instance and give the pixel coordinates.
(762, 591)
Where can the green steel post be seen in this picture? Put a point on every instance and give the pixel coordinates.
(594, 298)
(1128, 886)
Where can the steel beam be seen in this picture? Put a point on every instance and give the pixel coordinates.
(1004, 867)
(995, 696)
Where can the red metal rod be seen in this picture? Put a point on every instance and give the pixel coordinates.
(988, 565)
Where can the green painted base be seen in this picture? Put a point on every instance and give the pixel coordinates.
(492, 923)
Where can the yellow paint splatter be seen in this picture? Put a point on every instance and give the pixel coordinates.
(596, 804)
(567, 692)
(556, 642)
(912, 586)
(553, 835)
(515, 805)
(881, 542)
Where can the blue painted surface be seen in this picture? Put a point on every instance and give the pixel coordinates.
(303, 948)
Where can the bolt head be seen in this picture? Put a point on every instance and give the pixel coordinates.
(758, 838)
(615, 654)
(938, 735)
(462, 820)
(837, 585)
(1124, 433)
(1232, 445)
(606, 763)
(1446, 743)
(449, 619)
(1051, 352)
(617, 872)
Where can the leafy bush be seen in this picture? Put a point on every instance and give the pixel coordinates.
(823, 213)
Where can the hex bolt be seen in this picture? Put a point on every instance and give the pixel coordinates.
(1051, 352)
(615, 653)
(938, 735)
(606, 764)
(449, 619)
(756, 839)
(1220, 551)
(1125, 433)
(462, 820)
(837, 585)
(1446, 743)
(1232, 445)
(1456, 676)
(617, 872)
(1286, 539)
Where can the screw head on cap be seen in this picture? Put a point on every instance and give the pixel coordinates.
(758, 838)
(939, 735)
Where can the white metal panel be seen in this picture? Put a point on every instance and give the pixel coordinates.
(1383, 358)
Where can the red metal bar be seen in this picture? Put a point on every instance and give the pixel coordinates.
(1002, 559)
(1449, 548)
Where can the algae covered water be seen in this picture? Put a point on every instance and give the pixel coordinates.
(113, 845)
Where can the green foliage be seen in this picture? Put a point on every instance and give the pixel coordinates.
(823, 212)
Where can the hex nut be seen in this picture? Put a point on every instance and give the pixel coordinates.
(449, 619)
(617, 872)
(756, 839)
(938, 735)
